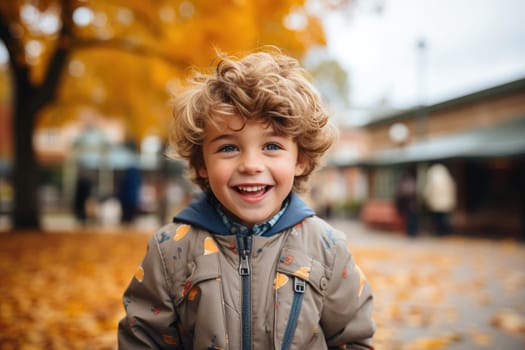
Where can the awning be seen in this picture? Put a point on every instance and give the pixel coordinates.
(503, 140)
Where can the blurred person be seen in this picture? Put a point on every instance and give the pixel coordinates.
(248, 265)
(82, 194)
(440, 197)
(406, 202)
(129, 194)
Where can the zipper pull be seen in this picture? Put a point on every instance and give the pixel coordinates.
(244, 266)
(244, 254)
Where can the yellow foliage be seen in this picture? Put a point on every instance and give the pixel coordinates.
(123, 60)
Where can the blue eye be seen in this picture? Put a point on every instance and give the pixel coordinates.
(228, 148)
(272, 147)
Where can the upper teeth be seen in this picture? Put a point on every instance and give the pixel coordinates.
(251, 188)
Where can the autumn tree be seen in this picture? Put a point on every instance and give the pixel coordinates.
(119, 55)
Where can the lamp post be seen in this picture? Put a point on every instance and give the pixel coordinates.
(421, 128)
(421, 116)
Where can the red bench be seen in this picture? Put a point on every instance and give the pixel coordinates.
(381, 213)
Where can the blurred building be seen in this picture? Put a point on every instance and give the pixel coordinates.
(99, 149)
(480, 137)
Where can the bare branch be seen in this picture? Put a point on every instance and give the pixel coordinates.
(128, 46)
(14, 47)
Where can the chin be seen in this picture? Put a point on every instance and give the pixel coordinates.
(250, 221)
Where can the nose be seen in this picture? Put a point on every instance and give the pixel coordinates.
(251, 163)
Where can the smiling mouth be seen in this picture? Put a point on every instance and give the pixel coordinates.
(252, 190)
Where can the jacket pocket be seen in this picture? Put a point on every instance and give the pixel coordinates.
(200, 305)
(299, 285)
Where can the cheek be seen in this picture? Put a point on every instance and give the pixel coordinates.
(217, 172)
(285, 170)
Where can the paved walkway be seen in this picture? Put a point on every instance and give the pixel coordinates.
(453, 293)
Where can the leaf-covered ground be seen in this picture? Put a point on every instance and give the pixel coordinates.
(63, 291)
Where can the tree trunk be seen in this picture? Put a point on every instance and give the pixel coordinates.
(25, 167)
(29, 99)
(25, 180)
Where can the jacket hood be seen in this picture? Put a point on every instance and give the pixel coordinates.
(201, 213)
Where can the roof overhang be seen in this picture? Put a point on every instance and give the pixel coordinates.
(503, 140)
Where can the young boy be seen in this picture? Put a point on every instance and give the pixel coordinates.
(249, 265)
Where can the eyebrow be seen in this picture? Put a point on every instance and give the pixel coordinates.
(222, 137)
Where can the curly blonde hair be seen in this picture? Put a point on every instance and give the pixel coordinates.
(265, 86)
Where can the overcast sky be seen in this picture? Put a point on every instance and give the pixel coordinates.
(470, 45)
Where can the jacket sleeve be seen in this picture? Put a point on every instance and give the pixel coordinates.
(150, 316)
(347, 314)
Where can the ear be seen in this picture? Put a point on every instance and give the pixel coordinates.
(300, 166)
(202, 172)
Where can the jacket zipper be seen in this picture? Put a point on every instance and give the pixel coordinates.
(299, 288)
(244, 245)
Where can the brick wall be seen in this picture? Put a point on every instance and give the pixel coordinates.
(479, 114)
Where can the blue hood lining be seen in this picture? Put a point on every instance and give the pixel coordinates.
(201, 213)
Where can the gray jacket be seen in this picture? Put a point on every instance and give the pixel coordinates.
(295, 288)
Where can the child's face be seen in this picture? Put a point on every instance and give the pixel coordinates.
(250, 171)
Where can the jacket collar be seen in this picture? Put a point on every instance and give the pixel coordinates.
(202, 213)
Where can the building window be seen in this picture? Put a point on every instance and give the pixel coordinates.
(385, 181)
